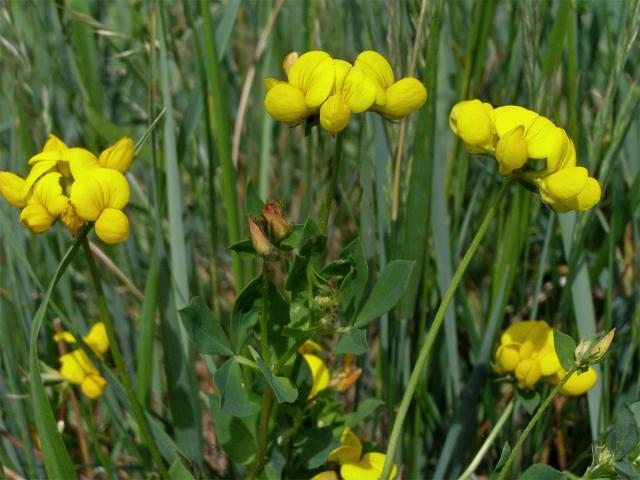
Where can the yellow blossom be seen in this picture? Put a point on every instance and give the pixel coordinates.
(118, 156)
(45, 204)
(96, 339)
(354, 465)
(99, 196)
(319, 374)
(12, 188)
(77, 368)
(393, 100)
(570, 189)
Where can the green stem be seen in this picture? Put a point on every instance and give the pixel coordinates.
(333, 183)
(264, 324)
(139, 415)
(533, 421)
(261, 456)
(488, 442)
(425, 351)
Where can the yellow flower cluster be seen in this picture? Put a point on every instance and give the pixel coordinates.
(71, 183)
(527, 349)
(354, 465)
(77, 368)
(318, 83)
(514, 135)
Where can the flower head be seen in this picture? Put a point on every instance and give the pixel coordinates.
(118, 156)
(354, 465)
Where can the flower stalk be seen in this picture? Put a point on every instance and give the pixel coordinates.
(333, 183)
(425, 351)
(138, 413)
(543, 406)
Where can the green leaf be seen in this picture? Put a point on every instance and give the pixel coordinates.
(244, 248)
(623, 436)
(234, 399)
(529, 399)
(245, 314)
(540, 471)
(353, 287)
(565, 348)
(353, 341)
(236, 436)
(294, 238)
(315, 445)
(179, 472)
(204, 329)
(297, 276)
(504, 455)
(283, 388)
(365, 409)
(386, 293)
(313, 240)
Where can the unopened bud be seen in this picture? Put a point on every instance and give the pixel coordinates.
(592, 351)
(279, 226)
(260, 242)
(288, 61)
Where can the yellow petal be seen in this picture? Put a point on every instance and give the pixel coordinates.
(511, 151)
(579, 383)
(549, 363)
(359, 90)
(376, 67)
(97, 338)
(80, 160)
(37, 171)
(511, 116)
(403, 98)
(289, 60)
(48, 193)
(66, 337)
(528, 372)
(557, 150)
(71, 369)
(319, 374)
(12, 188)
(517, 332)
(309, 347)
(588, 196)
(93, 386)
(118, 156)
(328, 475)
(98, 189)
(53, 143)
(285, 103)
(36, 218)
(507, 358)
(350, 448)
(269, 83)
(342, 68)
(542, 137)
(369, 468)
(471, 121)
(565, 184)
(313, 74)
(334, 114)
(112, 226)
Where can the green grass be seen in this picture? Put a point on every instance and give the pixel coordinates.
(171, 74)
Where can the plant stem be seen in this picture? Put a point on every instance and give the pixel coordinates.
(333, 183)
(268, 392)
(138, 413)
(425, 351)
(488, 442)
(541, 409)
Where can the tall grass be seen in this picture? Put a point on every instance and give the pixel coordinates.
(172, 73)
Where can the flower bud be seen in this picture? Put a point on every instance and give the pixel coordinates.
(260, 242)
(118, 156)
(279, 226)
(592, 351)
(288, 61)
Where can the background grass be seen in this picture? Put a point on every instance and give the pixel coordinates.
(173, 72)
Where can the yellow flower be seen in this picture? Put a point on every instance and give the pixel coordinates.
(77, 368)
(471, 121)
(310, 81)
(570, 189)
(527, 350)
(45, 204)
(319, 374)
(99, 196)
(13, 189)
(55, 155)
(393, 100)
(328, 475)
(355, 467)
(96, 339)
(118, 156)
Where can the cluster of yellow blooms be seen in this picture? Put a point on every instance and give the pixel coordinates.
(354, 465)
(527, 349)
(514, 135)
(77, 368)
(71, 183)
(318, 83)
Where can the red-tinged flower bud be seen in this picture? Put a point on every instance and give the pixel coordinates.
(279, 226)
(260, 242)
